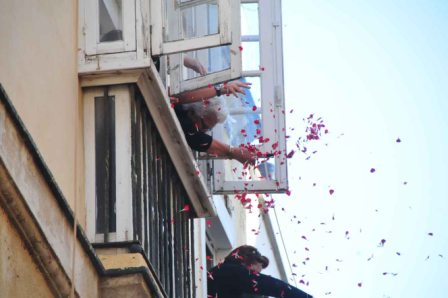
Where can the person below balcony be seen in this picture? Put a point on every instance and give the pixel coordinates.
(239, 274)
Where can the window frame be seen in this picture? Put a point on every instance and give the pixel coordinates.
(123, 184)
(178, 84)
(271, 80)
(93, 46)
(158, 23)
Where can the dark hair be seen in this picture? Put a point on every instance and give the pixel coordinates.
(247, 255)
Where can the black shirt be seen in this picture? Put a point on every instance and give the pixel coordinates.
(232, 279)
(196, 139)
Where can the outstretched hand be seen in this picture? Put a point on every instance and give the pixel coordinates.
(236, 87)
(243, 155)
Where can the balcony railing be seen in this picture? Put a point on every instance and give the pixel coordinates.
(165, 231)
(158, 217)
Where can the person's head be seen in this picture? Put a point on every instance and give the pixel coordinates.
(250, 257)
(206, 114)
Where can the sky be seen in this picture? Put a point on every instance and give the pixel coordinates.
(374, 71)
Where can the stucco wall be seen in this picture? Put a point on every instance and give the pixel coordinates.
(38, 70)
(19, 275)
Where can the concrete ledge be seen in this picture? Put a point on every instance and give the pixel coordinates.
(122, 261)
(132, 286)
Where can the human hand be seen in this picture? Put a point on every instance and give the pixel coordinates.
(174, 100)
(236, 87)
(243, 155)
(195, 65)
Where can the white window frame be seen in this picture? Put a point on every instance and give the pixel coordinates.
(161, 47)
(124, 227)
(200, 257)
(272, 96)
(93, 46)
(178, 84)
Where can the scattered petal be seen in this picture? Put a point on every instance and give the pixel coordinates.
(186, 208)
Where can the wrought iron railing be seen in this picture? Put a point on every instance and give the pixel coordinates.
(159, 219)
(159, 201)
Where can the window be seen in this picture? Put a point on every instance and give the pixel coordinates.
(109, 26)
(257, 119)
(183, 25)
(200, 21)
(108, 186)
(105, 165)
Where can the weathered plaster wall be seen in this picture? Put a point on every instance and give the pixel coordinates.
(38, 69)
(19, 275)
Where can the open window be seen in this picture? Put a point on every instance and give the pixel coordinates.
(204, 31)
(182, 25)
(257, 120)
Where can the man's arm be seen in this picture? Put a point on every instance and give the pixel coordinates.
(200, 94)
(248, 282)
(270, 286)
(220, 149)
(195, 65)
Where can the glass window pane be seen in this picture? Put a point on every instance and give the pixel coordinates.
(249, 19)
(212, 59)
(195, 21)
(251, 55)
(111, 20)
(244, 125)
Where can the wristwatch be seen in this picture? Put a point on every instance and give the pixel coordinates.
(218, 89)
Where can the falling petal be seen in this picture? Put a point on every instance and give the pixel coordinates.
(186, 208)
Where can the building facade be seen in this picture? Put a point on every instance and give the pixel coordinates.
(100, 194)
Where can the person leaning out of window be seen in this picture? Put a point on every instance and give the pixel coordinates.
(200, 110)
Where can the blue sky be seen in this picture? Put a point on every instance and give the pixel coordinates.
(374, 71)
